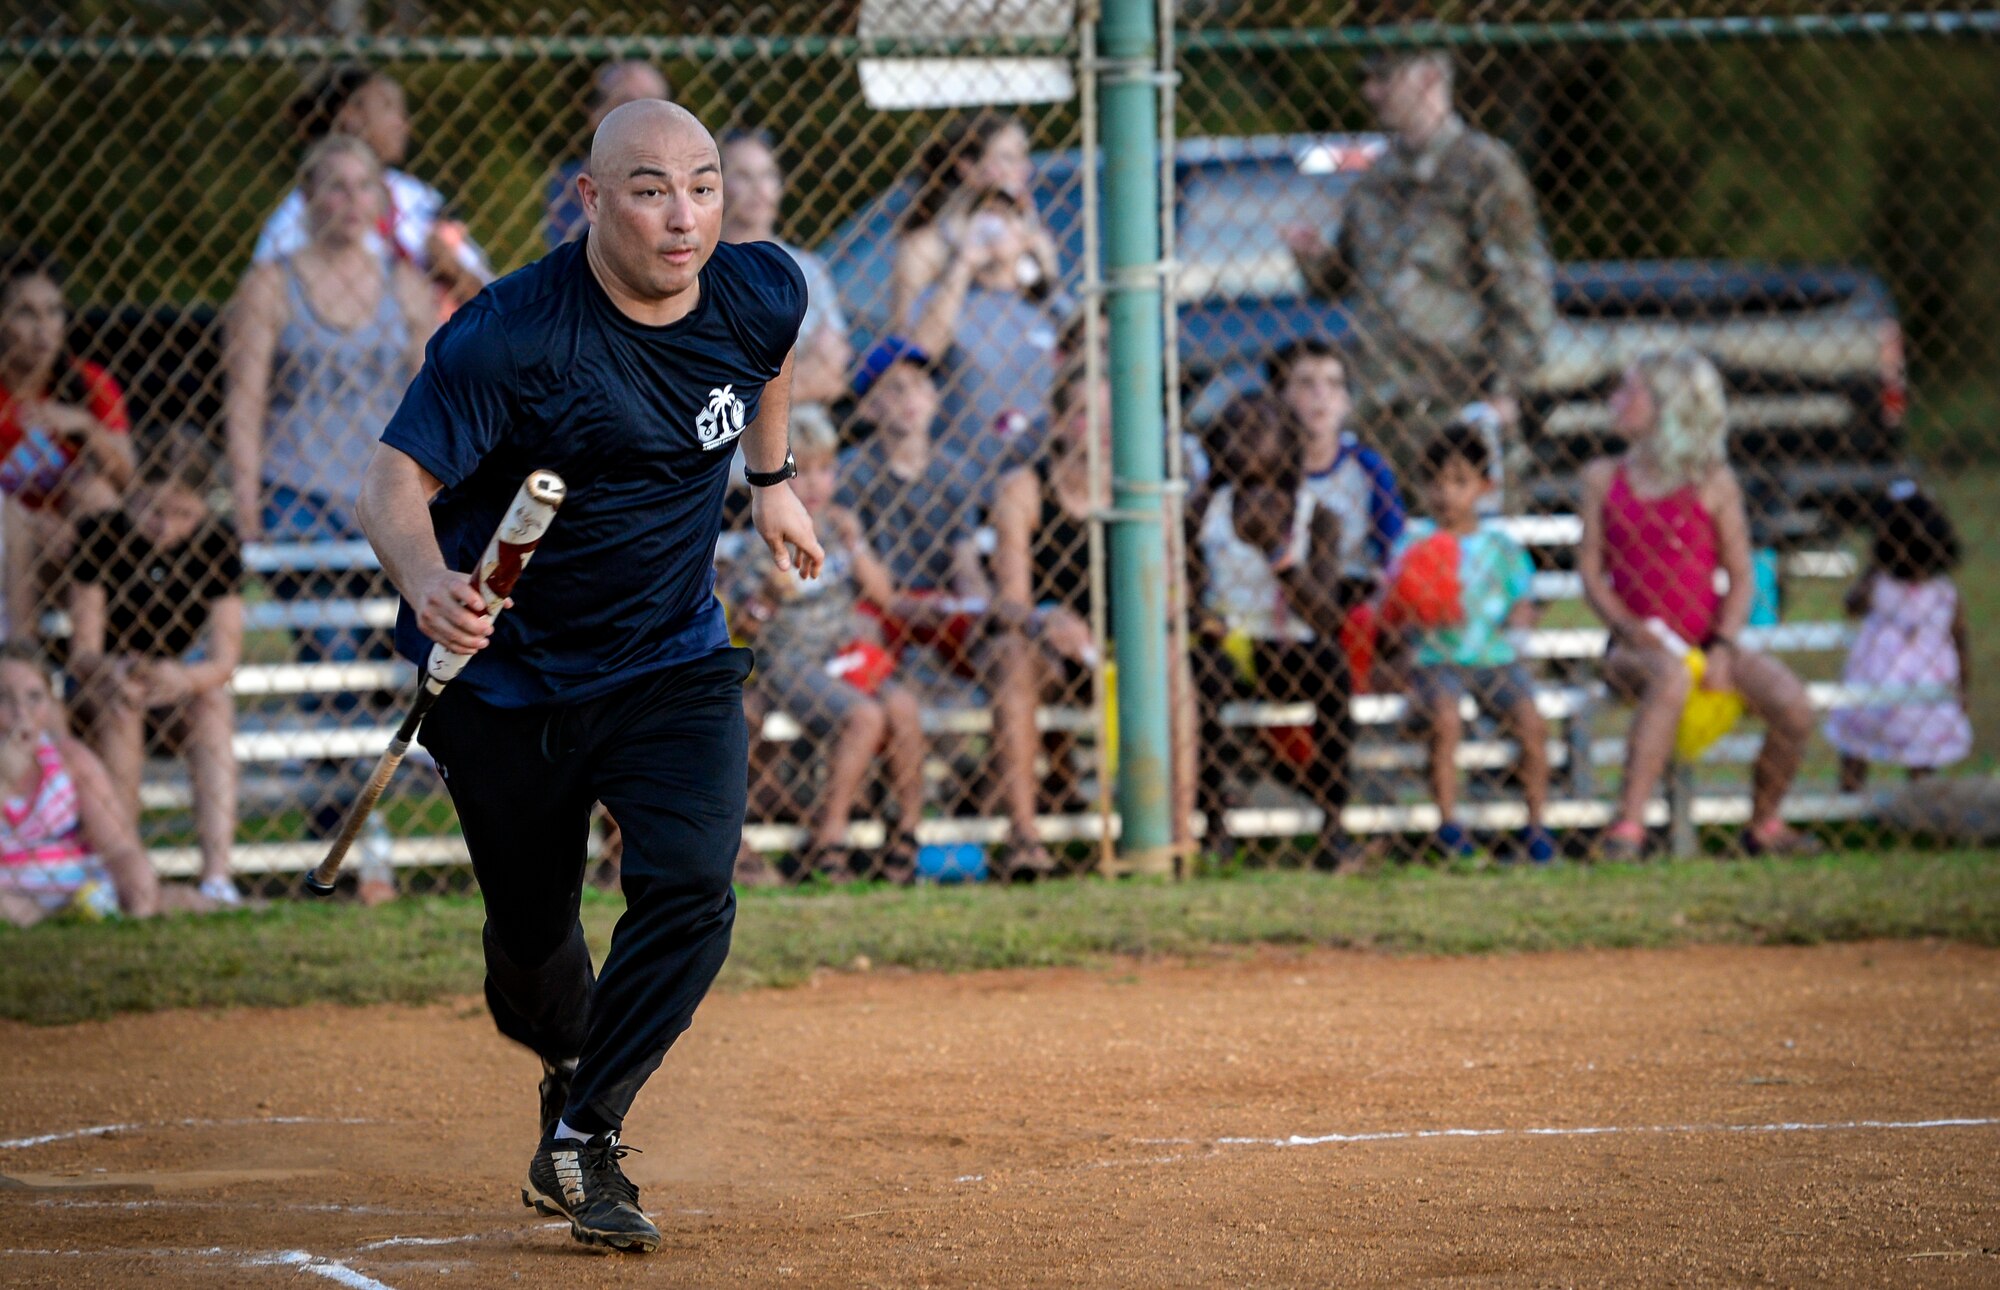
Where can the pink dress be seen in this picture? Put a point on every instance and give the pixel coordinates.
(1660, 556)
(1905, 640)
(42, 851)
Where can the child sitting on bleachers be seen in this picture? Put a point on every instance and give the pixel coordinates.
(1659, 522)
(1914, 634)
(1264, 578)
(820, 659)
(66, 846)
(157, 630)
(1457, 585)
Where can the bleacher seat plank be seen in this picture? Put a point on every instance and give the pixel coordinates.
(297, 857)
(260, 679)
(306, 615)
(1581, 643)
(1264, 822)
(288, 557)
(1557, 703)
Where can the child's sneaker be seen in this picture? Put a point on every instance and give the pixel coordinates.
(1537, 845)
(1453, 843)
(221, 892)
(93, 902)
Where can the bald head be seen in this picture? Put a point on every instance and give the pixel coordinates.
(653, 195)
(645, 130)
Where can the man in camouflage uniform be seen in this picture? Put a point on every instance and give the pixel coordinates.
(1441, 260)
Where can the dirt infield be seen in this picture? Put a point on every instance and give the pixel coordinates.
(1690, 1116)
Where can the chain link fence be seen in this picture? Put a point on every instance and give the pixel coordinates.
(1805, 198)
(1466, 259)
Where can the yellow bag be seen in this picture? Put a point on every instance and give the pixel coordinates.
(1242, 651)
(1708, 715)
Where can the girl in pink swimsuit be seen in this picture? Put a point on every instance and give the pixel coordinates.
(62, 842)
(1658, 524)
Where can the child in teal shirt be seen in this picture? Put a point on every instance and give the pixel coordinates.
(1463, 650)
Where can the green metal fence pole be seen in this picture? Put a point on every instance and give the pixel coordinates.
(1128, 77)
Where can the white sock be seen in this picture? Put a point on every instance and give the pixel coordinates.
(564, 1131)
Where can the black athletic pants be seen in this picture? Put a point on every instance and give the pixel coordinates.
(667, 755)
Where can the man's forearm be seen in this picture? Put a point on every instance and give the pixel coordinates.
(768, 438)
(395, 514)
(766, 443)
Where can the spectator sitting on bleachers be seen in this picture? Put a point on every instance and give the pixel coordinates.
(64, 447)
(753, 197)
(612, 85)
(66, 845)
(1658, 522)
(157, 630)
(994, 334)
(1041, 571)
(919, 501)
(362, 103)
(321, 345)
(1265, 577)
(1346, 476)
(821, 660)
(1460, 642)
(1349, 477)
(1913, 632)
(981, 153)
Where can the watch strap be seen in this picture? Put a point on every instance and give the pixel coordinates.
(767, 478)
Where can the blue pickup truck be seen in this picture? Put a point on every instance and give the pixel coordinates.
(1813, 355)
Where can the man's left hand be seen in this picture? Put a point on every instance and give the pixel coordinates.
(782, 522)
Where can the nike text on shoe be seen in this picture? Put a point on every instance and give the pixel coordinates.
(556, 1077)
(581, 1181)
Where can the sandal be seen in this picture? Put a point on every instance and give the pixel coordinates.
(1776, 838)
(898, 864)
(1022, 860)
(1623, 841)
(832, 862)
(754, 869)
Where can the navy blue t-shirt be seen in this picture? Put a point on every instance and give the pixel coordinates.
(542, 372)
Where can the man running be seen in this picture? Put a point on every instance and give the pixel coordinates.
(629, 362)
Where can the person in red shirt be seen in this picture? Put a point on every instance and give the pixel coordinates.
(64, 446)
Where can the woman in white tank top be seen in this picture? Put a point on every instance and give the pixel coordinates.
(320, 347)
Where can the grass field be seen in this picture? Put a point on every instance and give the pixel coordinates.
(414, 950)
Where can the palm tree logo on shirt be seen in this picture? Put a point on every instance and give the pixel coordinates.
(722, 420)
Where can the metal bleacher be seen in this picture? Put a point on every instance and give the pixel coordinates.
(1571, 707)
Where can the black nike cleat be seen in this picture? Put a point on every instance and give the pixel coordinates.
(581, 1181)
(556, 1077)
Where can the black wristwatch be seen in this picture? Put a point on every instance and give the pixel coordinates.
(766, 478)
